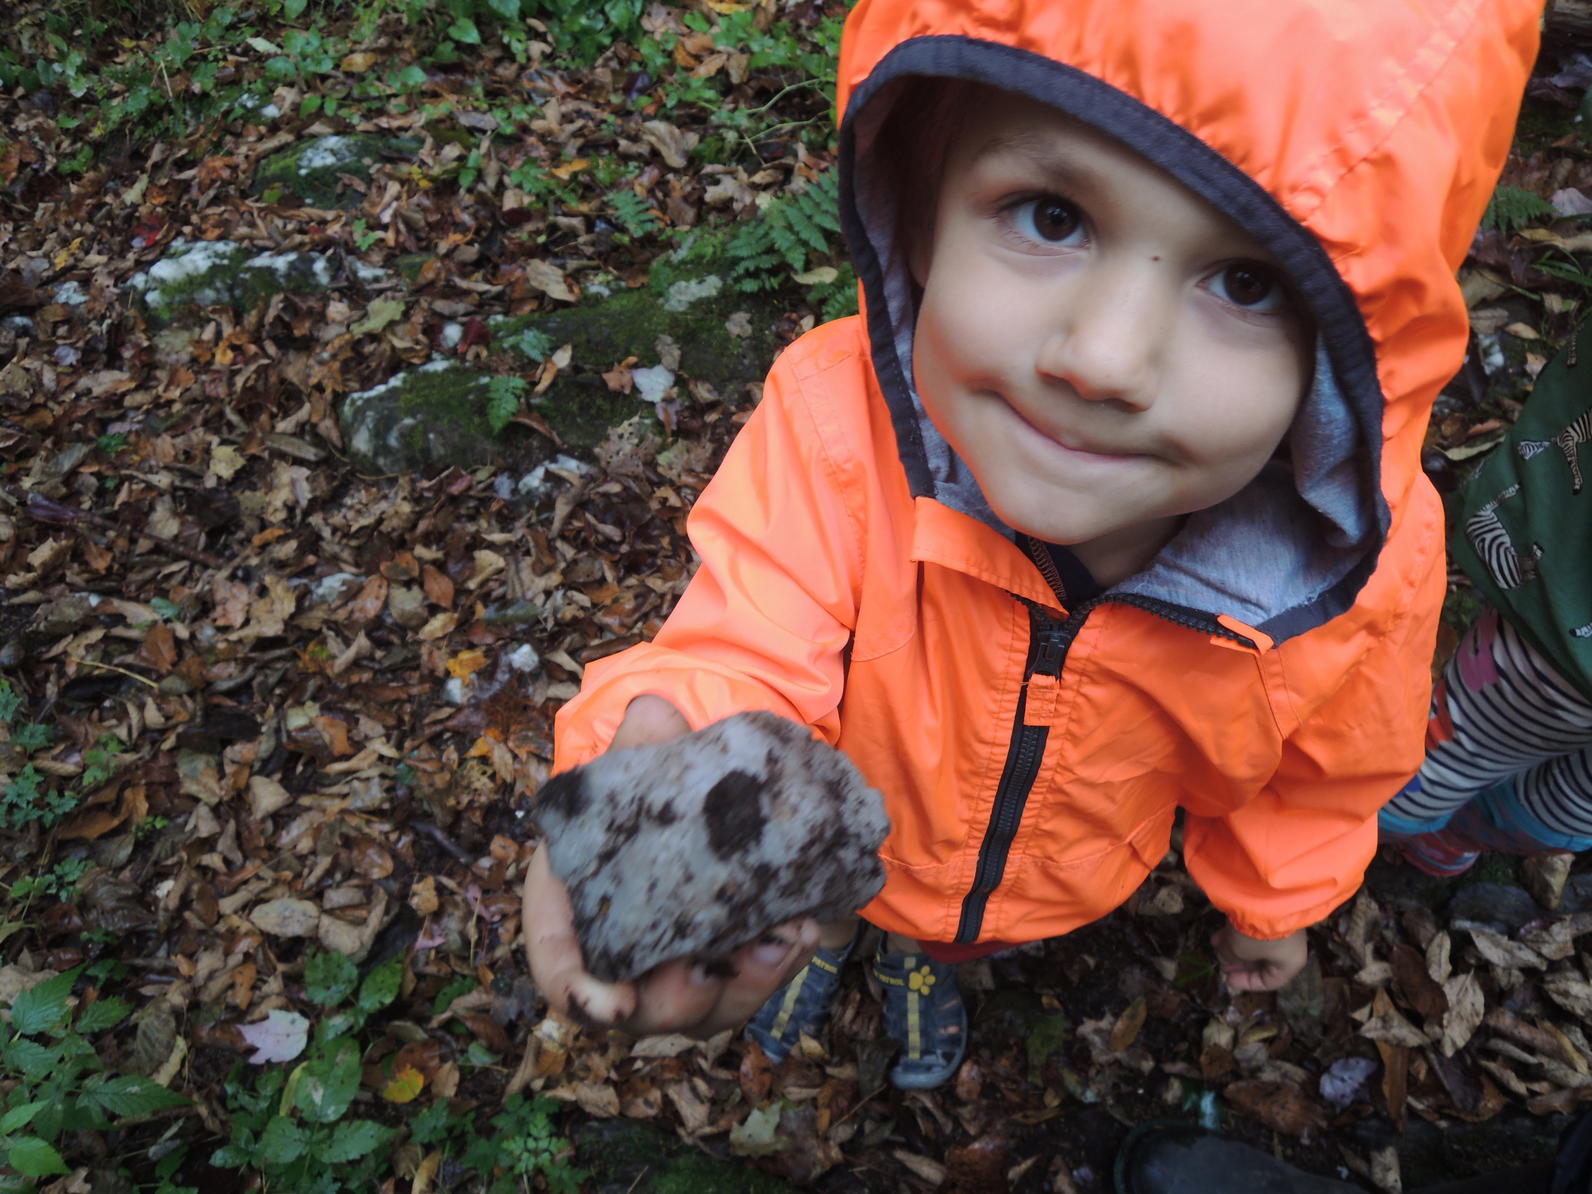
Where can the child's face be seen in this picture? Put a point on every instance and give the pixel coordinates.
(1105, 350)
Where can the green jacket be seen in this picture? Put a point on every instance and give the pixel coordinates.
(1524, 533)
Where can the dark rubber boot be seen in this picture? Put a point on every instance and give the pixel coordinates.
(1182, 1159)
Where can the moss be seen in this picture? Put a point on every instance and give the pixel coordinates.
(627, 1155)
(310, 169)
(436, 415)
(410, 265)
(198, 274)
(606, 330)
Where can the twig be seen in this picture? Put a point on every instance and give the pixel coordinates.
(111, 667)
(42, 509)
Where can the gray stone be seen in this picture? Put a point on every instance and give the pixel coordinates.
(697, 846)
(436, 414)
(214, 273)
(313, 170)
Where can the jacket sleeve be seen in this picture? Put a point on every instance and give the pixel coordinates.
(1299, 848)
(766, 619)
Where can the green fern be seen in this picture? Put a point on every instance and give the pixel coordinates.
(503, 395)
(633, 214)
(789, 236)
(1512, 208)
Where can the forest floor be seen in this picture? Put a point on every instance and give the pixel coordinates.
(259, 712)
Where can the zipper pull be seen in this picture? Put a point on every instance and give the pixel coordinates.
(1053, 640)
(1042, 688)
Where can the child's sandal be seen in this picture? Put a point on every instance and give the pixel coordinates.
(800, 1006)
(924, 1013)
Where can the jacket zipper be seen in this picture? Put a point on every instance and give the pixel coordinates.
(1047, 651)
(1048, 645)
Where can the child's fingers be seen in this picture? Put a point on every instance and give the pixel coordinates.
(553, 952)
(648, 720)
(761, 969)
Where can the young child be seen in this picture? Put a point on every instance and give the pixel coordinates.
(1509, 745)
(1110, 503)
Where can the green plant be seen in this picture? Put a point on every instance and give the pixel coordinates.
(524, 1145)
(59, 882)
(583, 31)
(795, 232)
(1512, 208)
(503, 394)
(57, 1083)
(364, 235)
(295, 1129)
(633, 214)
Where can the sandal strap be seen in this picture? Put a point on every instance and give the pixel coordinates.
(920, 998)
(826, 963)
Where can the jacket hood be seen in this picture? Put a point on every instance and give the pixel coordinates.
(1358, 140)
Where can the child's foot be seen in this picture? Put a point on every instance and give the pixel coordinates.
(923, 1012)
(1429, 853)
(800, 1006)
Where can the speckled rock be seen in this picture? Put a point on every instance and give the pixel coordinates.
(697, 846)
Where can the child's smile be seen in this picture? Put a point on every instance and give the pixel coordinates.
(1104, 350)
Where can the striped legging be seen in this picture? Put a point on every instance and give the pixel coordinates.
(1508, 753)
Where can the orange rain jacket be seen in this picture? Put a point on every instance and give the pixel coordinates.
(1268, 672)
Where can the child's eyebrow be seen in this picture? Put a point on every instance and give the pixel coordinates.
(1042, 151)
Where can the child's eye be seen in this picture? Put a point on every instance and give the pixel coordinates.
(1253, 287)
(1049, 218)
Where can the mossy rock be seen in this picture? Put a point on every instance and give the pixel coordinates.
(695, 312)
(432, 416)
(626, 1155)
(198, 274)
(309, 170)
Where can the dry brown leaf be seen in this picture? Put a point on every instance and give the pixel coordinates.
(1466, 1007)
(286, 918)
(1501, 951)
(1385, 1023)
(1281, 1106)
(549, 279)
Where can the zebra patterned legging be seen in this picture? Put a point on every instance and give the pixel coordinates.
(1509, 743)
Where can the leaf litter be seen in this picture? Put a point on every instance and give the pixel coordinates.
(332, 692)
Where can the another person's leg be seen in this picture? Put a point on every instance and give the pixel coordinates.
(1509, 759)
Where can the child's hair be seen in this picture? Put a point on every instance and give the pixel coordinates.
(924, 118)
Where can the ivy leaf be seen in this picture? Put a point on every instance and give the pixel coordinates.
(32, 1157)
(43, 1005)
(353, 1140)
(464, 30)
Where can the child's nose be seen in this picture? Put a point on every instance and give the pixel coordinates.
(1103, 343)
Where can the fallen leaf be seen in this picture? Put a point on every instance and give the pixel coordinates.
(281, 1036)
(286, 918)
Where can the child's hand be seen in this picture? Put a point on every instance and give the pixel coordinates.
(678, 996)
(1252, 964)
